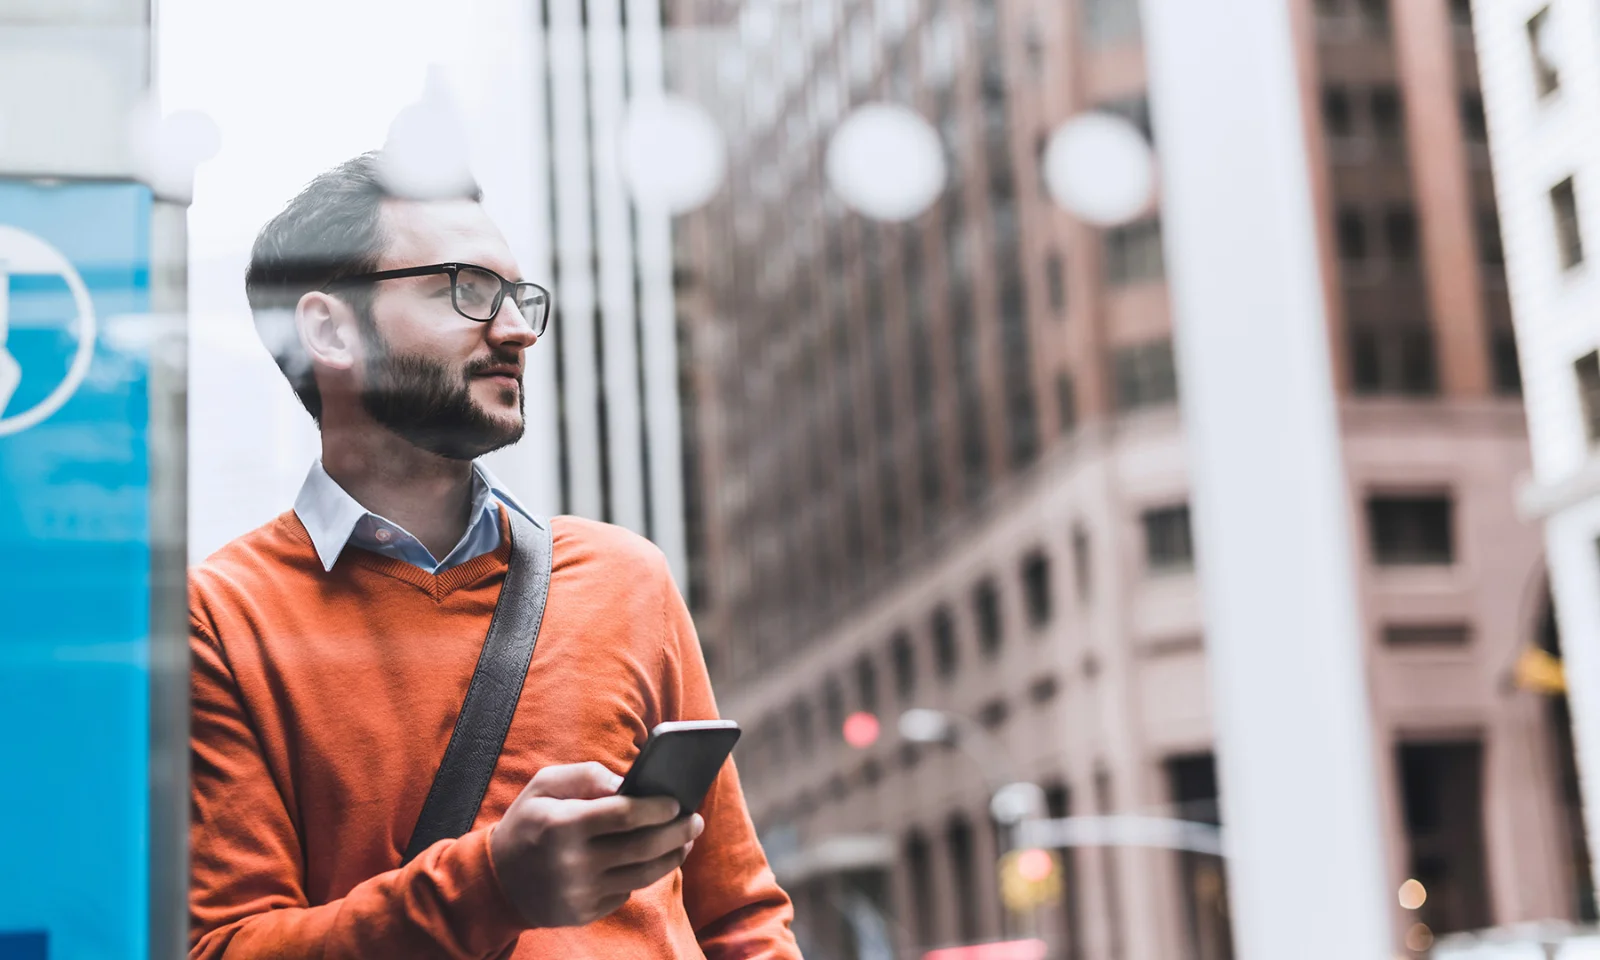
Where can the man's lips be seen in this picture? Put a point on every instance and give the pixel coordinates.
(507, 376)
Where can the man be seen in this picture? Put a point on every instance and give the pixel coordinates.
(332, 647)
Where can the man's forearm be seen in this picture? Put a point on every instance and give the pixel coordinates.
(446, 903)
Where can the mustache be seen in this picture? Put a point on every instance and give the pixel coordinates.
(480, 367)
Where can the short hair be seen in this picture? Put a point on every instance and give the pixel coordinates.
(331, 230)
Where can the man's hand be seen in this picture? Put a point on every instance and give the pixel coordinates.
(569, 851)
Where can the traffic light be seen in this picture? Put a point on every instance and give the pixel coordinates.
(1030, 878)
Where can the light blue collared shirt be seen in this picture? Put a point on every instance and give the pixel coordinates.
(335, 520)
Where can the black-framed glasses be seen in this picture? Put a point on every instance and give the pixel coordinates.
(477, 293)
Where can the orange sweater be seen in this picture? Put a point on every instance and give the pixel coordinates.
(322, 705)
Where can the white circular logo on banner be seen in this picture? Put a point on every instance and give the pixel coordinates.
(23, 253)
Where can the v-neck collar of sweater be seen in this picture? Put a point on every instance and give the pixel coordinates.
(436, 585)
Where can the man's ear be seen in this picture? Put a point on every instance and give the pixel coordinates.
(327, 329)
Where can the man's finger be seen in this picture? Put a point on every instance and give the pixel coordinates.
(640, 846)
(640, 875)
(626, 814)
(574, 781)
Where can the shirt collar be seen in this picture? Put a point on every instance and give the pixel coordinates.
(330, 514)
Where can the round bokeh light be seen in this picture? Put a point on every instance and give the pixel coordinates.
(1100, 169)
(673, 157)
(885, 162)
(1419, 939)
(425, 155)
(1034, 865)
(166, 149)
(861, 730)
(1413, 895)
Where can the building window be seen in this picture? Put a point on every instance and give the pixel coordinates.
(1393, 360)
(1474, 123)
(833, 708)
(1066, 403)
(1352, 231)
(919, 870)
(1411, 530)
(1145, 376)
(1375, 15)
(1427, 634)
(904, 657)
(1400, 230)
(946, 655)
(1587, 369)
(994, 714)
(804, 735)
(1083, 573)
(1507, 365)
(1337, 116)
(1133, 253)
(986, 614)
(1564, 203)
(1168, 545)
(1441, 796)
(1036, 588)
(958, 840)
(1541, 44)
(1192, 785)
(1388, 119)
(1056, 283)
(867, 683)
(1110, 22)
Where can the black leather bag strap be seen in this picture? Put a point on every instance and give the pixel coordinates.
(480, 731)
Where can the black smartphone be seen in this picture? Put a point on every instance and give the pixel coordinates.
(681, 760)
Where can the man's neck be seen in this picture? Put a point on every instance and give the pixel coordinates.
(429, 495)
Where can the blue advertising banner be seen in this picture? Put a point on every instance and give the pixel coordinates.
(74, 570)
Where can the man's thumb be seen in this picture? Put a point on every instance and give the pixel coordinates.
(574, 781)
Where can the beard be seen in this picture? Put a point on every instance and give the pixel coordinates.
(430, 405)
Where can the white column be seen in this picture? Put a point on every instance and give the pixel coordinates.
(1306, 871)
(575, 287)
(1574, 554)
(615, 254)
(658, 318)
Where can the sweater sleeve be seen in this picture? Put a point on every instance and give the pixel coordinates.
(732, 898)
(246, 896)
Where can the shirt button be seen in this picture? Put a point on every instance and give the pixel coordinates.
(383, 535)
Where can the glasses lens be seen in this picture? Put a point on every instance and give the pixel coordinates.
(535, 306)
(477, 293)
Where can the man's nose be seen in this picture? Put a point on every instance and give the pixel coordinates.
(510, 328)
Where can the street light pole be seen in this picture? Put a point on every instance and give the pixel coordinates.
(1011, 801)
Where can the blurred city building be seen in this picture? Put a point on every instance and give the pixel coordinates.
(615, 366)
(940, 464)
(1539, 63)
